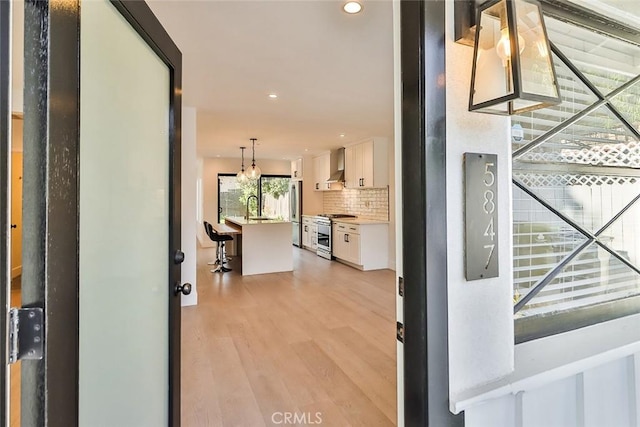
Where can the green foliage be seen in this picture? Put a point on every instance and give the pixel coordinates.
(249, 188)
(275, 187)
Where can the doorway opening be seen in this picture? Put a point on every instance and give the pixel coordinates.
(322, 338)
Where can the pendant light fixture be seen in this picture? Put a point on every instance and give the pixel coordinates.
(513, 68)
(254, 171)
(242, 175)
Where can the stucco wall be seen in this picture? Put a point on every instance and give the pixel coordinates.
(481, 343)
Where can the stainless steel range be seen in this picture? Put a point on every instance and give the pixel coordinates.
(323, 222)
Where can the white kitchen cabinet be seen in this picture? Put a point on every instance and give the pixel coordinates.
(296, 170)
(339, 244)
(322, 172)
(308, 228)
(366, 164)
(364, 246)
(354, 250)
(306, 236)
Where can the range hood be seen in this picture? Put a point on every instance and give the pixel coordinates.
(336, 163)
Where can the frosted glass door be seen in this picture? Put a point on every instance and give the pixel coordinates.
(4, 197)
(124, 224)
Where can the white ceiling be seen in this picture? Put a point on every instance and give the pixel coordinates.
(332, 72)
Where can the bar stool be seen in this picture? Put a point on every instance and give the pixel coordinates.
(209, 233)
(220, 240)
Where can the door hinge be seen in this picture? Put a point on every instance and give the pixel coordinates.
(26, 334)
(400, 332)
(400, 286)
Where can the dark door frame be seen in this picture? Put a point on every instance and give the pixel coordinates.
(50, 206)
(424, 215)
(5, 179)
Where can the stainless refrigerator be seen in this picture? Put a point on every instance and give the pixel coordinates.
(295, 196)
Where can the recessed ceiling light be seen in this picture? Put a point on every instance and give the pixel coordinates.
(217, 155)
(342, 135)
(273, 96)
(306, 149)
(352, 7)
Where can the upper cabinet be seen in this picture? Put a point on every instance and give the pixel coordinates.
(296, 170)
(366, 164)
(322, 172)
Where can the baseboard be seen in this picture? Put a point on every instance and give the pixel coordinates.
(16, 271)
(191, 299)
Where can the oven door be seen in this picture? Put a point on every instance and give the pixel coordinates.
(324, 239)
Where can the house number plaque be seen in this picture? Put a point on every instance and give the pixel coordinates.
(481, 215)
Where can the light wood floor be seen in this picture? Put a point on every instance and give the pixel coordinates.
(318, 340)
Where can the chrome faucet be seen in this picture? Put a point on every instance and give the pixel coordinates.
(249, 198)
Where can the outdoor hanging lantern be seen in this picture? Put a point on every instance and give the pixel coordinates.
(512, 65)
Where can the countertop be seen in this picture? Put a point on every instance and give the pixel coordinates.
(239, 220)
(357, 221)
(360, 221)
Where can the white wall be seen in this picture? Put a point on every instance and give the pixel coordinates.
(189, 205)
(392, 205)
(481, 343)
(17, 61)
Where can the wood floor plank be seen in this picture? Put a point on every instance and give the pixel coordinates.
(375, 384)
(291, 370)
(353, 403)
(237, 402)
(318, 339)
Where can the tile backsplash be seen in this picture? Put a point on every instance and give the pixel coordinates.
(371, 203)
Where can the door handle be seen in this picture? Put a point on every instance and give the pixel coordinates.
(346, 238)
(14, 225)
(317, 186)
(178, 257)
(182, 289)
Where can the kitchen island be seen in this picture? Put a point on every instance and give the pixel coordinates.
(267, 245)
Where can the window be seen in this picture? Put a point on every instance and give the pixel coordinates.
(576, 186)
(272, 192)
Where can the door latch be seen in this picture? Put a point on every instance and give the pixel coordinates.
(400, 286)
(26, 334)
(400, 332)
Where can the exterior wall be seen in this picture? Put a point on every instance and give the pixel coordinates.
(602, 396)
(481, 343)
(587, 377)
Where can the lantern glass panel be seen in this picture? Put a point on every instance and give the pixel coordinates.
(535, 57)
(493, 77)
